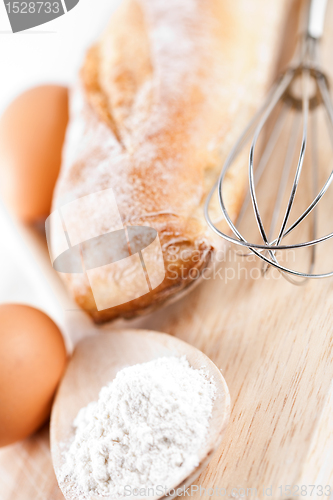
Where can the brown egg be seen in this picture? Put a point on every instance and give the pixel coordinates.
(32, 131)
(32, 360)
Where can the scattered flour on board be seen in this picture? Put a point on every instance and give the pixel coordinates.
(145, 430)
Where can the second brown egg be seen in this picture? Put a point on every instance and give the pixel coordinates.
(32, 132)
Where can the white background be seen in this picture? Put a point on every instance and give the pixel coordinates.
(52, 52)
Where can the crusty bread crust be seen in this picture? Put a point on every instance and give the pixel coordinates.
(160, 100)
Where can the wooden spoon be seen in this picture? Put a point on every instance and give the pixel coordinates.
(96, 361)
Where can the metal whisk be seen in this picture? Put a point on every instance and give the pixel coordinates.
(314, 93)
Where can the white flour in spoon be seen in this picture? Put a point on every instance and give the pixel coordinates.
(145, 430)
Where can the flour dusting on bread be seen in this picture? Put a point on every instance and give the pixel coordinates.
(151, 114)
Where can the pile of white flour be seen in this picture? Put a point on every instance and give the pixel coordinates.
(145, 430)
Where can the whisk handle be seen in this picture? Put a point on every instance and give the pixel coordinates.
(316, 18)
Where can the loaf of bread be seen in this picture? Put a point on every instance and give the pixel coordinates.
(160, 100)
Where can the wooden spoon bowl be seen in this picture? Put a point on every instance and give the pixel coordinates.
(96, 361)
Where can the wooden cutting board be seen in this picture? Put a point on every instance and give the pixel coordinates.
(274, 344)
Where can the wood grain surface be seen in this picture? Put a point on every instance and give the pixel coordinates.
(274, 344)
